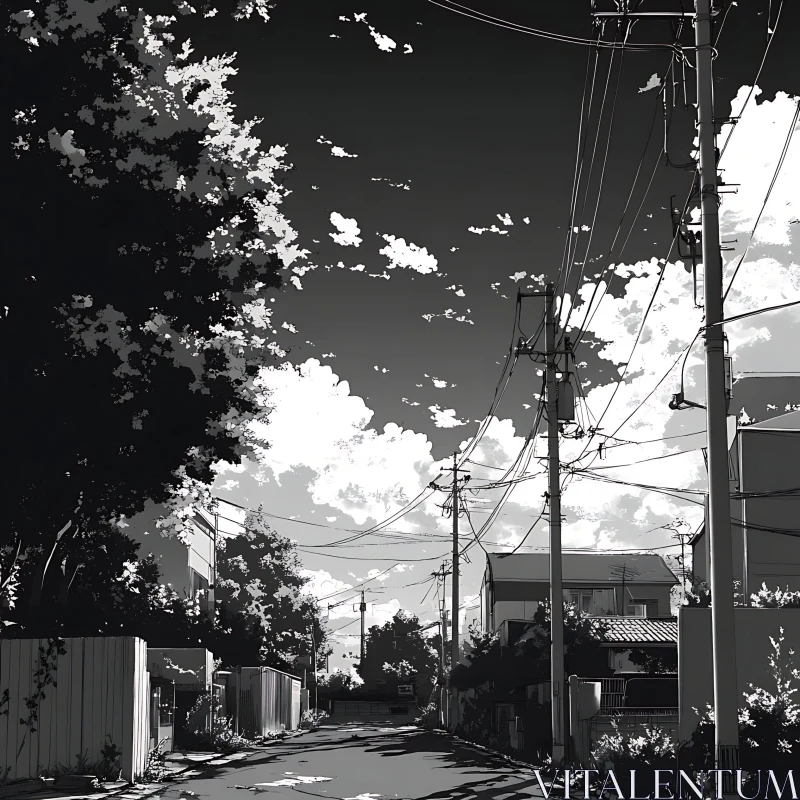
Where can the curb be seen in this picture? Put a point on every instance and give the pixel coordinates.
(482, 749)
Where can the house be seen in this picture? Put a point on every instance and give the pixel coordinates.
(765, 507)
(186, 564)
(599, 584)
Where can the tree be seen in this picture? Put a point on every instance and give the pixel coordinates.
(260, 584)
(145, 235)
(397, 653)
(494, 672)
(528, 661)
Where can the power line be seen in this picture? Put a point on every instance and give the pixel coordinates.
(579, 155)
(602, 173)
(479, 16)
(766, 198)
(755, 80)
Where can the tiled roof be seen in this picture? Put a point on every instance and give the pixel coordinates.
(581, 567)
(640, 630)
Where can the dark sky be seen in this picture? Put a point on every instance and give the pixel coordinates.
(479, 121)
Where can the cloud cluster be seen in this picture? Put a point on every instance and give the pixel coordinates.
(348, 230)
(407, 255)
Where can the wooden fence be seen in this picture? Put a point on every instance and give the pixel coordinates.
(99, 697)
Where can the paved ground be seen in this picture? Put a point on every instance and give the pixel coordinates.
(364, 762)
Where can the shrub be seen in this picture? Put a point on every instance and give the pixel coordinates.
(429, 719)
(155, 768)
(314, 716)
(220, 736)
(647, 752)
(769, 726)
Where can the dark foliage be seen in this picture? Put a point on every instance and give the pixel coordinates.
(113, 293)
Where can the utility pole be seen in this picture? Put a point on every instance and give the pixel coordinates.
(363, 608)
(723, 630)
(682, 537)
(210, 611)
(455, 643)
(554, 495)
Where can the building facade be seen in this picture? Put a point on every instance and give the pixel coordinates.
(186, 565)
(599, 584)
(765, 508)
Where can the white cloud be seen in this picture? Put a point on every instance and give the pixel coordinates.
(653, 82)
(492, 229)
(505, 219)
(517, 276)
(340, 152)
(449, 314)
(315, 423)
(407, 49)
(379, 369)
(348, 231)
(407, 256)
(439, 384)
(445, 418)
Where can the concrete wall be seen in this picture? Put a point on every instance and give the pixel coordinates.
(762, 460)
(770, 461)
(754, 627)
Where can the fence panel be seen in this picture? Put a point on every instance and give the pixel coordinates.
(95, 700)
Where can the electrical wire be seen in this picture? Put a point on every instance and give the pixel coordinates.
(499, 22)
(590, 305)
(755, 80)
(766, 198)
(754, 313)
(602, 173)
(654, 458)
(579, 155)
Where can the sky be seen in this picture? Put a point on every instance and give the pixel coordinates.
(434, 158)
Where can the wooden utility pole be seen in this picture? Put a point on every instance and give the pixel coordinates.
(718, 521)
(557, 684)
(723, 632)
(455, 642)
(363, 609)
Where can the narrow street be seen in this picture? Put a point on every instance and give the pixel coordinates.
(366, 761)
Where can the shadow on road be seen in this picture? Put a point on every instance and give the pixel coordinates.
(498, 778)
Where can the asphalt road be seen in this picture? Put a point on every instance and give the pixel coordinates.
(366, 762)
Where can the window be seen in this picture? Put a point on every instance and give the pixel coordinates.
(197, 583)
(597, 602)
(642, 608)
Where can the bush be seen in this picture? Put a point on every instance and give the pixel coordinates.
(652, 750)
(429, 718)
(313, 717)
(769, 726)
(220, 736)
(155, 769)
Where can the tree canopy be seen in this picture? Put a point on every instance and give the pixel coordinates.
(526, 662)
(260, 581)
(145, 239)
(398, 652)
